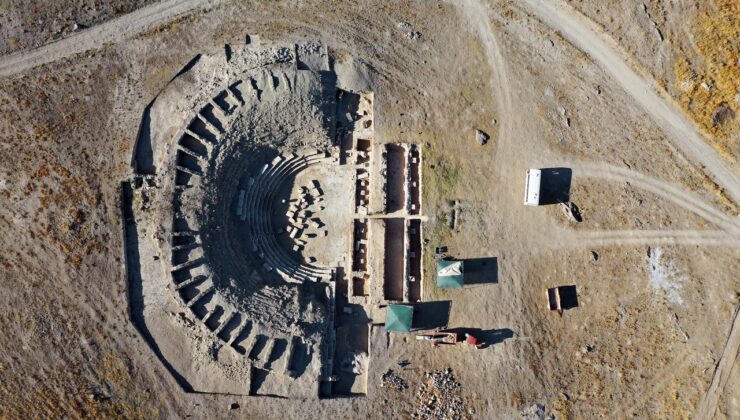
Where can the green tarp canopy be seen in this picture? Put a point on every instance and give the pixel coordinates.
(398, 318)
(450, 274)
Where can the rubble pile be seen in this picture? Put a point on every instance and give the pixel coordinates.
(391, 380)
(439, 397)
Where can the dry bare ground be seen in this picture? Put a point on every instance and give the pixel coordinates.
(113, 31)
(632, 349)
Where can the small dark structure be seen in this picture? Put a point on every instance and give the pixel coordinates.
(562, 298)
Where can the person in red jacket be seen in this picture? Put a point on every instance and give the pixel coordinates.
(469, 339)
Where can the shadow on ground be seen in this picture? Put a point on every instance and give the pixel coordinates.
(481, 271)
(430, 315)
(555, 185)
(568, 297)
(135, 287)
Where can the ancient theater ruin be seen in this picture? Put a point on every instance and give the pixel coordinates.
(265, 223)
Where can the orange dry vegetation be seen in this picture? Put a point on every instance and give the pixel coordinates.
(712, 80)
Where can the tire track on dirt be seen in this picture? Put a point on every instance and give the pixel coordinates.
(592, 238)
(708, 404)
(585, 35)
(477, 14)
(663, 189)
(112, 31)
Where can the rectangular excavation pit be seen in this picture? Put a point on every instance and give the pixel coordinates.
(348, 103)
(259, 377)
(182, 178)
(231, 327)
(362, 191)
(189, 292)
(191, 281)
(180, 224)
(414, 181)
(237, 90)
(359, 245)
(179, 240)
(346, 143)
(188, 271)
(414, 259)
(364, 147)
(260, 342)
(202, 303)
(210, 114)
(188, 162)
(299, 358)
(184, 255)
(222, 101)
(353, 340)
(395, 179)
(194, 145)
(394, 259)
(279, 348)
(200, 129)
(240, 342)
(361, 286)
(215, 318)
(180, 276)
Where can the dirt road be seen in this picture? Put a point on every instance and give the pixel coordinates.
(590, 39)
(662, 189)
(114, 30)
(477, 14)
(599, 238)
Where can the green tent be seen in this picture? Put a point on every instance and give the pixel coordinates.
(398, 318)
(450, 274)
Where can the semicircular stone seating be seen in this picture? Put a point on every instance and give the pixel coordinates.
(189, 273)
(260, 198)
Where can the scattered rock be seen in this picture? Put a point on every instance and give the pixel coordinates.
(481, 137)
(594, 256)
(438, 397)
(537, 412)
(571, 211)
(622, 314)
(722, 114)
(410, 32)
(564, 116)
(391, 380)
(233, 406)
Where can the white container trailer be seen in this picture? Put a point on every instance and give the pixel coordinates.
(532, 187)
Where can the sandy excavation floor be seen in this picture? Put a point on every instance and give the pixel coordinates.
(634, 107)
